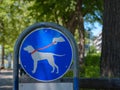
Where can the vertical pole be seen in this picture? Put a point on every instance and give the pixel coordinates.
(76, 75)
(76, 82)
(16, 68)
(16, 78)
(76, 68)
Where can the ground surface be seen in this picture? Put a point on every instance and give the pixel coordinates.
(6, 80)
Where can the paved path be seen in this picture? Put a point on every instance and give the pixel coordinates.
(6, 80)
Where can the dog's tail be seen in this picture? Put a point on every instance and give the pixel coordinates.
(59, 55)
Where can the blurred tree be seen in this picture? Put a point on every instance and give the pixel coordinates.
(16, 15)
(110, 61)
(2, 44)
(69, 13)
(13, 19)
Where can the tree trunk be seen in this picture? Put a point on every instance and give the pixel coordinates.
(110, 58)
(2, 63)
(76, 22)
(80, 29)
(9, 58)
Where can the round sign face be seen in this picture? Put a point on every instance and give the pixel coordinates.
(45, 54)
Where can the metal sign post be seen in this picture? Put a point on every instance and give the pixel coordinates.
(45, 51)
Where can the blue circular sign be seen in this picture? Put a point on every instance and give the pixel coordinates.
(46, 54)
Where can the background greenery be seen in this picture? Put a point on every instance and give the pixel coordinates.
(90, 68)
(16, 15)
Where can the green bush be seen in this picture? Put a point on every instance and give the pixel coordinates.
(69, 74)
(92, 66)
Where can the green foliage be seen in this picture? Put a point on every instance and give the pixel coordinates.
(13, 19)
(92, 12)
(15, 15)
(91, 68)
(92, 49)
(69, 74)
(52, 10)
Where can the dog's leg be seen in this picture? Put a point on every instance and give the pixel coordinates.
(53, 69)
(52, 63)
(57, 68)
(35, 67)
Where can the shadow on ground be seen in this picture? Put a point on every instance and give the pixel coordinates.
(6, 80)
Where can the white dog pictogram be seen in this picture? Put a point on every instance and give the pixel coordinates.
(39, 56)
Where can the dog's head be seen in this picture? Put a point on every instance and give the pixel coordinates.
(29, 49)
(58, 39)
